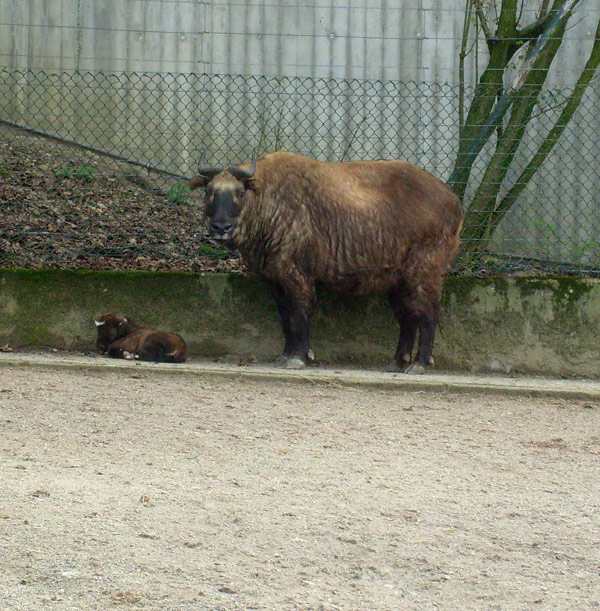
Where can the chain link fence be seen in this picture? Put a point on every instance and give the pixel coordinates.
(138, 136)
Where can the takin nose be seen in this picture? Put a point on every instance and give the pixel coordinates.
(220, 229)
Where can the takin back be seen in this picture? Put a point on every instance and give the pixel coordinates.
(122, 337)
(359, 227)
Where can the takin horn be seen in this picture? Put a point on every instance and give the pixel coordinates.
(99, 323)
(208, 171)
(242, 174)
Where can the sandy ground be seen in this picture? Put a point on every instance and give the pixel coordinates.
(139, 490)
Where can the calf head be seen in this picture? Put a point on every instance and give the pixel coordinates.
(111, 327)
(223, 196)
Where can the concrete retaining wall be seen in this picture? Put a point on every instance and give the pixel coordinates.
(540, 326)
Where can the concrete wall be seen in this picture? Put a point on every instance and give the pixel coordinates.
(411, 40)
(547, 327)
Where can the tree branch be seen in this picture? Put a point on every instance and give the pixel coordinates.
(553, 136)
(461, 66)
(490, 37)
(490, 84)
(495, 113)
(535, 29)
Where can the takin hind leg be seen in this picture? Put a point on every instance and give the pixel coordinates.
(428, 320)
(152, 350)
(414, 310)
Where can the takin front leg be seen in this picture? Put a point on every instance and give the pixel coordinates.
(294, 302)
(408, 331)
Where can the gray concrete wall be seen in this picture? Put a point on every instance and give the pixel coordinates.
(412, 40)
(540, 326)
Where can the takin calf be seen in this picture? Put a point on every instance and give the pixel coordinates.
(360, 227)
(123, 338)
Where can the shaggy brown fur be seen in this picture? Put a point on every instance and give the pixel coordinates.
(359, 227)
(122, 337)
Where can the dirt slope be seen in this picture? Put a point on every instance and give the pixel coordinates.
(66, 208)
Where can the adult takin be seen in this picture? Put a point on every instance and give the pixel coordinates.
(122, 337)
(358, 227)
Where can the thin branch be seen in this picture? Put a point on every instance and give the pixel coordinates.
(490, 37)
(84, 147)
(461, 66)
(535, 29)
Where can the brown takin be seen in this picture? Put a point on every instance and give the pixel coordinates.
(122, 338)
(360, 227)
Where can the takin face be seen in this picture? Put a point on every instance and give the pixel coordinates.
(120, 337)
(224, 188)
(110, 328)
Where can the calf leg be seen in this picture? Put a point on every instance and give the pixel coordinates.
(123, 348)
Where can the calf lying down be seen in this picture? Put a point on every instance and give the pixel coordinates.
(123, 338)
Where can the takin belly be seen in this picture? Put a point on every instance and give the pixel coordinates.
(360, 281)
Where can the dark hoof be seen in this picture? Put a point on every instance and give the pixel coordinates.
(394, 367)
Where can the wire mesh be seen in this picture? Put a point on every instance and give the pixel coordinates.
(162, 122)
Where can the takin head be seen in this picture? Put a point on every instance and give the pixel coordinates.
(110, 328)
(223, 196)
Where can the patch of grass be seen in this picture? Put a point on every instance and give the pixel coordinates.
(66, 171)
(85, 173)
(215, 252)
(179, 194)
(4, 173)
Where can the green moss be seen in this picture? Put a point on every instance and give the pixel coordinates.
(570, 290)
(566, 291)
(460, 289)
(213, 252)
(179, 194)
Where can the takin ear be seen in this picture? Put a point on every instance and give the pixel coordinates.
(252, 185)
(198, 181)
(99, 323)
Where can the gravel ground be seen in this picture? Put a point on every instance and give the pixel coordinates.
(141, 490)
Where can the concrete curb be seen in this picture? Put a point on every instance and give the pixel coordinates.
(434, 382)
